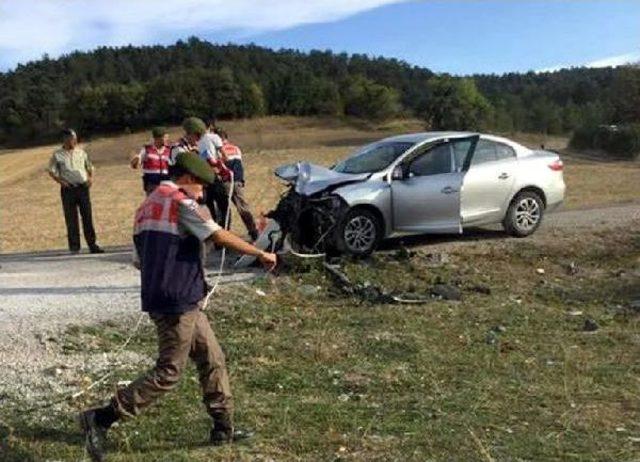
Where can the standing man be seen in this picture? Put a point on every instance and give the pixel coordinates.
(232, 157)
(216, 197)
(154, 158)
(169, 230)
(70, 167)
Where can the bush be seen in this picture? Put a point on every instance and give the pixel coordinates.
(583, 138)
(616, 140)
(369, 100)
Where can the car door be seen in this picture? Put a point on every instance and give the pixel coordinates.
(487, 185)
(427, 198)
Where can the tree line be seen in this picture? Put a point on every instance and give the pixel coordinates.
(111, 89)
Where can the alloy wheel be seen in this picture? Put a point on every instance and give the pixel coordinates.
(527, 214)
(360, 234)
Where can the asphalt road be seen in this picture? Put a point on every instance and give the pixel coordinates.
(42, 294)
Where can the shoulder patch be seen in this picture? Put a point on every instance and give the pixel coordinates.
(195, 208)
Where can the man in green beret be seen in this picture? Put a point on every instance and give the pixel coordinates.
(169, 232)
(193, 128)
(197, 140)
(153, 158)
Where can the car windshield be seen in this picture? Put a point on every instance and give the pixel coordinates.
(373, 157)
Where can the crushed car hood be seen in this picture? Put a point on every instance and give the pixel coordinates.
(310, 179)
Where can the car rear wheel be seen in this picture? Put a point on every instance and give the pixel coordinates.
(524, 214)
(359, 232)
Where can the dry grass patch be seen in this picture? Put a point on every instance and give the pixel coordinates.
(595, 183)
(31, 216)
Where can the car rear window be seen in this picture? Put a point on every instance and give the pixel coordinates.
(490, 151)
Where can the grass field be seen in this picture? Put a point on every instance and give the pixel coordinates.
(537, 362)
(507, 374)
(31, 216)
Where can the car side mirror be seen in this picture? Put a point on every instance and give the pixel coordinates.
(397, 173)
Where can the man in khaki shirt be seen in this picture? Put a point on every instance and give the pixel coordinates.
(70, 167)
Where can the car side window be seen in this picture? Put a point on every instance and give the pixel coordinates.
(489, 151)
(504, 152)
(460, 151)
(485, 152)
(433, 162)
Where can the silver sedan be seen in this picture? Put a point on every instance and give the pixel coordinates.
(433, 182)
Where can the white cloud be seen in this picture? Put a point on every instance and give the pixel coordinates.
(30, 28)
(613, 61)
(551, 69)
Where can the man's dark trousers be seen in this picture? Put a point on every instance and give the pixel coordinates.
(76, 198)
(217, 201)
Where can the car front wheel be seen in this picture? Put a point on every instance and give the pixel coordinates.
(359, 232)
(524, 214)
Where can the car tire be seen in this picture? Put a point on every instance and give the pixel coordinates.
(359, 233)
(524, 214)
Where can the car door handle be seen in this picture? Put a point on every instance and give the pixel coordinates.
(448, 190)
(504, 176)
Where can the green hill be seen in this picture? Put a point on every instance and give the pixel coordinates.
(113, 89)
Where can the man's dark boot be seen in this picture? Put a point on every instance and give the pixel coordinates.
(95, 434)
(95, 248)
(224, 433)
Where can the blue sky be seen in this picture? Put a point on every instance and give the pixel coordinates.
(456, 36)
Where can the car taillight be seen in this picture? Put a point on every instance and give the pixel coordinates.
(556, 165)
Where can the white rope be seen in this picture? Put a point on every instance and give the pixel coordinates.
(139, 321)
(206, 301)
(117, 352)
(307, 255)
(63, 397)
(224, 249)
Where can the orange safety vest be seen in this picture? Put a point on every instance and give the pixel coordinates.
(155, 161)
(231, 151)
(172, 277)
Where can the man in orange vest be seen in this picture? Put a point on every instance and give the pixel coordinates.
(232, 157)
(154, 160)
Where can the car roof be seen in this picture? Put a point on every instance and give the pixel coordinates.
(418, 138)
(426, 136)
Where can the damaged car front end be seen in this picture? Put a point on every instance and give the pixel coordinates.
(309, 211)
(342, 209)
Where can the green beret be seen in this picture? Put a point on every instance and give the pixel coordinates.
(158, 132)
(194, 126)
(198, 167)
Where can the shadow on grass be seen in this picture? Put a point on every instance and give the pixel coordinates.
(14, 441)
(16, 438)
(472, 235)
(63, 433)
(10, 453)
